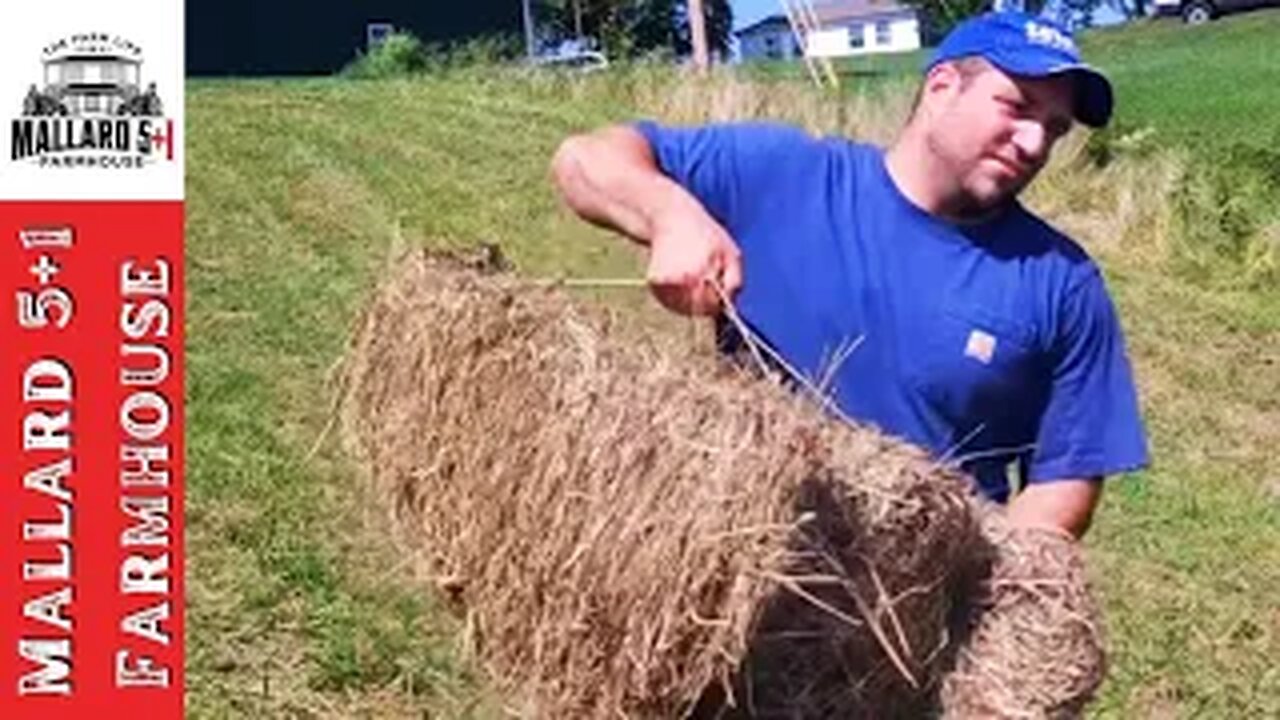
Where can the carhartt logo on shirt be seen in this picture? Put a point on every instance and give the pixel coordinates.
(981, 347)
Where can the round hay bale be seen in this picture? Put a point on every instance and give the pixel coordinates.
(1031, 646)
(636, 531)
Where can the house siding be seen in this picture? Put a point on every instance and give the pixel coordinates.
(846, 30)
(859, 37)
(768, 41)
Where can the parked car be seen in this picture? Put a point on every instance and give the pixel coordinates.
(1194, 12)
(576, 54)
(583, 61)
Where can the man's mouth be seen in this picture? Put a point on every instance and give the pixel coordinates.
(1010, 167)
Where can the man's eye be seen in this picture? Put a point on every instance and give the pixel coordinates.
(1015, 106)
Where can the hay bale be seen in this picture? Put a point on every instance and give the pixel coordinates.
(636, 531)
(1031, 646)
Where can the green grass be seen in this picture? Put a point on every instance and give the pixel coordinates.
(1201, 87)
(299, 606)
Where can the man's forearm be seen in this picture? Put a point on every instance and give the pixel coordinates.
(610, 178)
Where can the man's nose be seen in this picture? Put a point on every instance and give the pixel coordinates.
(1032, 141)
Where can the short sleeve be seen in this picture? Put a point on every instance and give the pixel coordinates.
(726, 166)
(1091, 426)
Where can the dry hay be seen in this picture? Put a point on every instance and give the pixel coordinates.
(1033, 645)
(638, 532)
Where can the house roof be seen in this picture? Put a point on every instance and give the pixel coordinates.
(834, 11)
(778, 20)
(830, 11)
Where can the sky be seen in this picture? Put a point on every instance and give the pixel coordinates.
(746, 12)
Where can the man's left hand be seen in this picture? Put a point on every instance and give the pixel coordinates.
(1065, 505)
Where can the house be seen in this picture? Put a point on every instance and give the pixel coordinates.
(295, 37)
(844, 27)
(768, 39)
(80, 82)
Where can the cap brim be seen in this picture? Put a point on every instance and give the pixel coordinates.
(1093, 96)
(1094, 99)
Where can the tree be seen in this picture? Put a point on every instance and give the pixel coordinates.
(629, 28)
(1129, 8)
(719, 21)
(937, 17)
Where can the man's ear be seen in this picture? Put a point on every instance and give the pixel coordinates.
(942, 82)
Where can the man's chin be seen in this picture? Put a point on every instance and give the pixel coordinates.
(1001, 190)
(982, 203)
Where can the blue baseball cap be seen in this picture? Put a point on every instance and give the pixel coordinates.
(1030, 46)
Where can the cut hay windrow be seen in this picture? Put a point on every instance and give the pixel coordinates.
(635, 530)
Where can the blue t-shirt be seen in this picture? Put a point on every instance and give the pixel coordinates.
(988, 344)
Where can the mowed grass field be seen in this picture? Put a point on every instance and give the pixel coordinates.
(301, 191)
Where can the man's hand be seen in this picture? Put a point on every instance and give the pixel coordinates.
(1065, 505)
(692, 260)
(610, 178)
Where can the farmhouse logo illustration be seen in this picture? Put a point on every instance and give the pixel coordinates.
(92, 108)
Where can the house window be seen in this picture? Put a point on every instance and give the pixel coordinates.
(884, 33)
(857, 36)
(376, 33)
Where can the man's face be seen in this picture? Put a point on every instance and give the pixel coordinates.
(994, 131)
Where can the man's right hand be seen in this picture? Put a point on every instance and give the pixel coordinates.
(692, 261)
(610, 178)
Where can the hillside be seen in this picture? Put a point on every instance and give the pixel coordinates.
(1200, 86)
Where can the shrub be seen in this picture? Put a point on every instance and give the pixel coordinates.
(1228, 206)
(403, 54)
(398, 55)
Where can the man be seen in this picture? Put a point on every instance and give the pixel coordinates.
(983, 334)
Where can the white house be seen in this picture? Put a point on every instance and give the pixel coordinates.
(844, 28)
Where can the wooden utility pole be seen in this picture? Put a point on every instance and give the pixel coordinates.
(529, 39)
(577, 19)
(698, 31)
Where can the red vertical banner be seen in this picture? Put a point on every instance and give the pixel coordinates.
(91, 360)
(91, 562)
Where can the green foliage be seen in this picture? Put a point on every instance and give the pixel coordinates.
(402, 54)
(636, 28)
(1120, 139)
(398, 55)
(937, 17)
(1225, 206)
